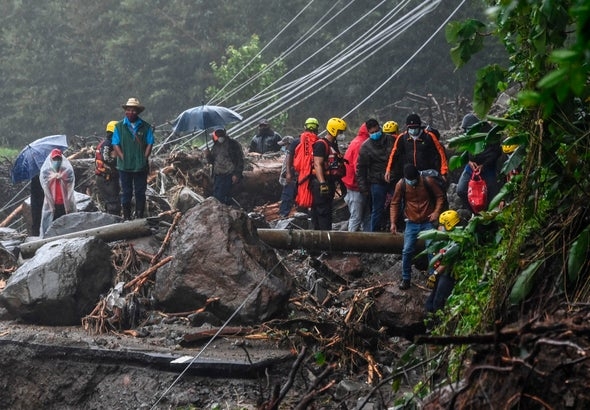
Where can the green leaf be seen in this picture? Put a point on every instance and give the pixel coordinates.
(524, 283)
(529, 98)
(554, 79)
(578, 255)
(456, 161)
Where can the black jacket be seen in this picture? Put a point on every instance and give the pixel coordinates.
(372, 162)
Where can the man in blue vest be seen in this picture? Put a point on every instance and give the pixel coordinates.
(133, 139)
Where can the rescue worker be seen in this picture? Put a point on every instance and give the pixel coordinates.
(108, 188)
(323, 182)
(441, 280)
(419, 146)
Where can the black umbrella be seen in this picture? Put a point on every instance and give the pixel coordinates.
(204, 117)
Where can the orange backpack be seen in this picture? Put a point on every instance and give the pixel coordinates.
(303, 165)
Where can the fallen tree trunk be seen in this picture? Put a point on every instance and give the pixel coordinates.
(12, 216)
(108, 233)
(343, 241)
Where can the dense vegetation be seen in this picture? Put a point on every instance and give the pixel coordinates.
(526, 259)
(68, 66)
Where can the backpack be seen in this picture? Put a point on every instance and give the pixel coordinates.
(303, 156)
(303, 166)
(104, 163)
(334, 167)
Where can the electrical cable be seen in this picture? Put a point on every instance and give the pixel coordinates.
(258, 286)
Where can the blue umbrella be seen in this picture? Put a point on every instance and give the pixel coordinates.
(204, 117)
(29, 161)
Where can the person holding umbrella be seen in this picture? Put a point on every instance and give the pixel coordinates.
(27, 166)
(133, 139)
(57, 180)
(227, 160)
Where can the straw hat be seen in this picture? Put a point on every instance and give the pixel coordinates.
(134, 102)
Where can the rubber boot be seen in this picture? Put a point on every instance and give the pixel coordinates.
(139, 210)
(127, 212)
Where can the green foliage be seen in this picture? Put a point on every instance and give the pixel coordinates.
(489, 81)
(9, 153)
(578, 255)
(467, 38)
(524, 282)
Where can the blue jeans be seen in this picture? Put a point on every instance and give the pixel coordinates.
(378, 197)
(358, 206)
(222, 188)
(441, 292)
(488, 174)
(287, 198)
(410, 238)
(133, 183)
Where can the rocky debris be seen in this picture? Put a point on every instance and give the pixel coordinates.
(217, 254)
(61, 283)
(343, 313)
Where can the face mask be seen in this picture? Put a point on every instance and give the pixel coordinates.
(414, 132)
(375, 136)
(221, 140)
(340, 137)
(411, 182)
(55, 164)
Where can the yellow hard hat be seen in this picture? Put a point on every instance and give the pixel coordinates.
(390, 127)
(509, 149)
(111, 126)
(334, 125)
(449, 219)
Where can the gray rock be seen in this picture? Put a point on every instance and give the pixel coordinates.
(217, 254)
(61, 283)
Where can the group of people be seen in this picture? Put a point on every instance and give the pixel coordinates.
(393, 180)
(121, 171)
(389, 179)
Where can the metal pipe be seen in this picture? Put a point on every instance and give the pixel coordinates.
(338, 241)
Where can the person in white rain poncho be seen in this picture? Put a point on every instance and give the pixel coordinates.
(57, 180)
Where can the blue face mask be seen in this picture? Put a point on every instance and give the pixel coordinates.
(55, 164)
(375, 136)
(411, 182)
(414, 132)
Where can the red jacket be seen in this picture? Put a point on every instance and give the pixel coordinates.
(351, 155)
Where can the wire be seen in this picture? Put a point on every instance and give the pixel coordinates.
(264, 48)
(217, 333)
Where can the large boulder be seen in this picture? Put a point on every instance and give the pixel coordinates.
(218, 254)
(61, 283)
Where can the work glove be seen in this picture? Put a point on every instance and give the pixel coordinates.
(324, 189)
(431, 281)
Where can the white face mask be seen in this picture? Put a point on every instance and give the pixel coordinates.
(221, 140)
(340, 137)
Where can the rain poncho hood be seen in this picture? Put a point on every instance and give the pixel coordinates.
(52, 181)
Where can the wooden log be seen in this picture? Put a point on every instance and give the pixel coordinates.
(108, 233)
(11, 217)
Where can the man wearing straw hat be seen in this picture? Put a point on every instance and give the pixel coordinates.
(133, 139)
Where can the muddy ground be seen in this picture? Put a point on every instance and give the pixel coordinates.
(71, 368)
